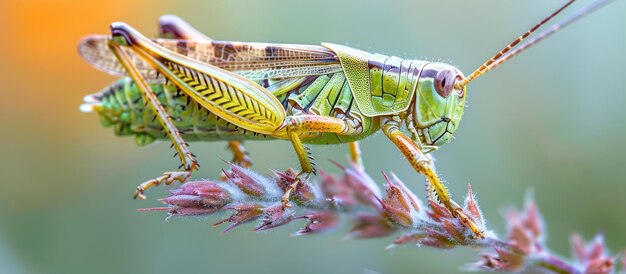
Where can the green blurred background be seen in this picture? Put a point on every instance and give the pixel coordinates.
(552, 121)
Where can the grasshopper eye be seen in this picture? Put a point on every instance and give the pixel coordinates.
(444, 82)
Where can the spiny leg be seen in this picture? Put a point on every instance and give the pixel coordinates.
(229, 96)
(421, 163)
(172, 26)
(309, 124)
(240, 155)
(306, 163)
(188, 161)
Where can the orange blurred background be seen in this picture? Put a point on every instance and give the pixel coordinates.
(551, 120)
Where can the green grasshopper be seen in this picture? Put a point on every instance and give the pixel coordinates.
(185, 84)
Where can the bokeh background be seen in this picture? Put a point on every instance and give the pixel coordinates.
(552, 121)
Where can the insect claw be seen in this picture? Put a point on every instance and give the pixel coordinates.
(175, 154)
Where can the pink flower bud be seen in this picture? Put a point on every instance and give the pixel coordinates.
(525, 229)
(593, 256)
(413, 200)
(243, 214)
(436, 239)
(504, 261)
(396, 205)
(284, 180)
(412, 237)
(336, 189)
(438, 212)
(362, 186)
(318, 222)
(371, 226)
(195, 198)
(183, 200)
(275, 216)
(471, 206)
(209, 194)
(245, 180)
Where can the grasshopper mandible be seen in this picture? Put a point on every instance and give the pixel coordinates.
(185, 83)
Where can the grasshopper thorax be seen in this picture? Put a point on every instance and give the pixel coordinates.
(438, 106)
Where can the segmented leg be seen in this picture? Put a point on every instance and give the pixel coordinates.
(306, 162)
(233, 98)
(240, 155)
(309, 124)
(422, 164)
(188, 161)
(172, 26)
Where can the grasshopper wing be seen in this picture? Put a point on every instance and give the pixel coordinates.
(254, 61)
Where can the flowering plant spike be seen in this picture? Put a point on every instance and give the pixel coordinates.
(395, 210)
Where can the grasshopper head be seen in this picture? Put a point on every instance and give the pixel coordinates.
(438, 105)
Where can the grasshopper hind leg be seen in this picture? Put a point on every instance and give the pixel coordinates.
(188, 161)
(172, 26)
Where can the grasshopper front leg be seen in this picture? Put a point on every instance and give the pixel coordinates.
(422, 164)
(188, 161)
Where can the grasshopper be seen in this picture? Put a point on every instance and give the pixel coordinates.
(185, 84)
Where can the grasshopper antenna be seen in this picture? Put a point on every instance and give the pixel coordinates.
(502, 56)
(486, 66)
